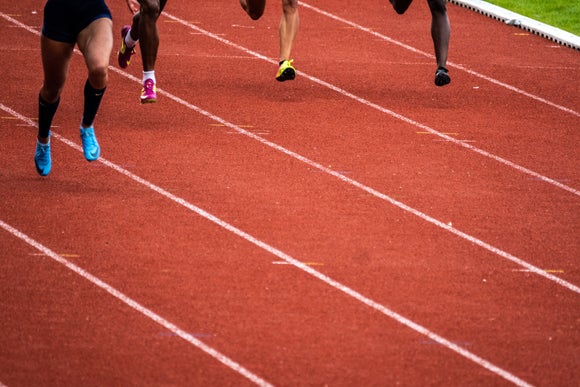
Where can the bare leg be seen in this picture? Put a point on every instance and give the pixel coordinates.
(55, 63)
(96, 43)
(289, 24)
(147, 30)
(440, 30)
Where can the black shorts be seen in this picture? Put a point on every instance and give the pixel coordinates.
(65, 19)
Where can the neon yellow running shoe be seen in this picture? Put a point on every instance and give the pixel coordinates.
(286, 72)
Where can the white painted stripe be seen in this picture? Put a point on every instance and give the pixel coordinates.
(336, 174)
(506, 16)
(449, 64)
(324, 169)
(296, 263)
(198, 343)
(272, 250)
(137, 307)
(464, 144)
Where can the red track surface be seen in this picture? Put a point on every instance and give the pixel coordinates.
(383, 232)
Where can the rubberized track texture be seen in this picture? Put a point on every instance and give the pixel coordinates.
(357, 226)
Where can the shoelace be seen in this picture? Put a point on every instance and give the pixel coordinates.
(89, 139)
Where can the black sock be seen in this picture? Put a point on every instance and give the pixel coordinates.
(46, 112)
(92, 101)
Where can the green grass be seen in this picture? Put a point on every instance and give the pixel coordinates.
(563, 14)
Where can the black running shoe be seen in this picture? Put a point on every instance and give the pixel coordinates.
(441, 77)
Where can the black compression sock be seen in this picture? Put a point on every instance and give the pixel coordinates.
(92, 101)
(46, 112)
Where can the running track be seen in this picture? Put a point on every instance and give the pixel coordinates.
(357, 226)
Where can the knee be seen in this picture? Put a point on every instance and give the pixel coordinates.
(50, 94)
(99, 76)
(290, 6)
(437, 6)
(151, 8)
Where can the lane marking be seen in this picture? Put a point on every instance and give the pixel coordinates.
(305, 263)
(61, 254)
(241, 126)
(448, 133)
(393, 114)
(274, 251)
(305, 268)
(331, 172)
(547, 270)
(174, 329)
(339, 176)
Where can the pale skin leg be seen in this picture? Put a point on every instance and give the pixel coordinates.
(96, 44)
(55, 63)
(289, 22)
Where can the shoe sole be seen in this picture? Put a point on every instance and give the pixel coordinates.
(44, 171)
(148, 100)
(442, 79)
(287, 75)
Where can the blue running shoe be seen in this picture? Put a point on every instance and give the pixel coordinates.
(42, 158)
(90, 145)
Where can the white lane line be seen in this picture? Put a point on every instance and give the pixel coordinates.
(137, 307)
(462, 143)
(382, 109)
(263, 245)
(340, 176)
(355, 183)
(450, 64)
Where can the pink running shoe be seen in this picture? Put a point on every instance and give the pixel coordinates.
(125, 53)
(149, 92)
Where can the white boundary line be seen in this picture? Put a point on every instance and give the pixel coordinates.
(331, 172)
(257, 242)
(554, 34)
(449, 64)
(296, 263)
(398, 116)
(135, 305)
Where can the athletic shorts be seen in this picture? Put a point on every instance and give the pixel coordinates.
(65, 19)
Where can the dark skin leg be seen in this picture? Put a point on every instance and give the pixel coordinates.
(144, 29)
(440, 28)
